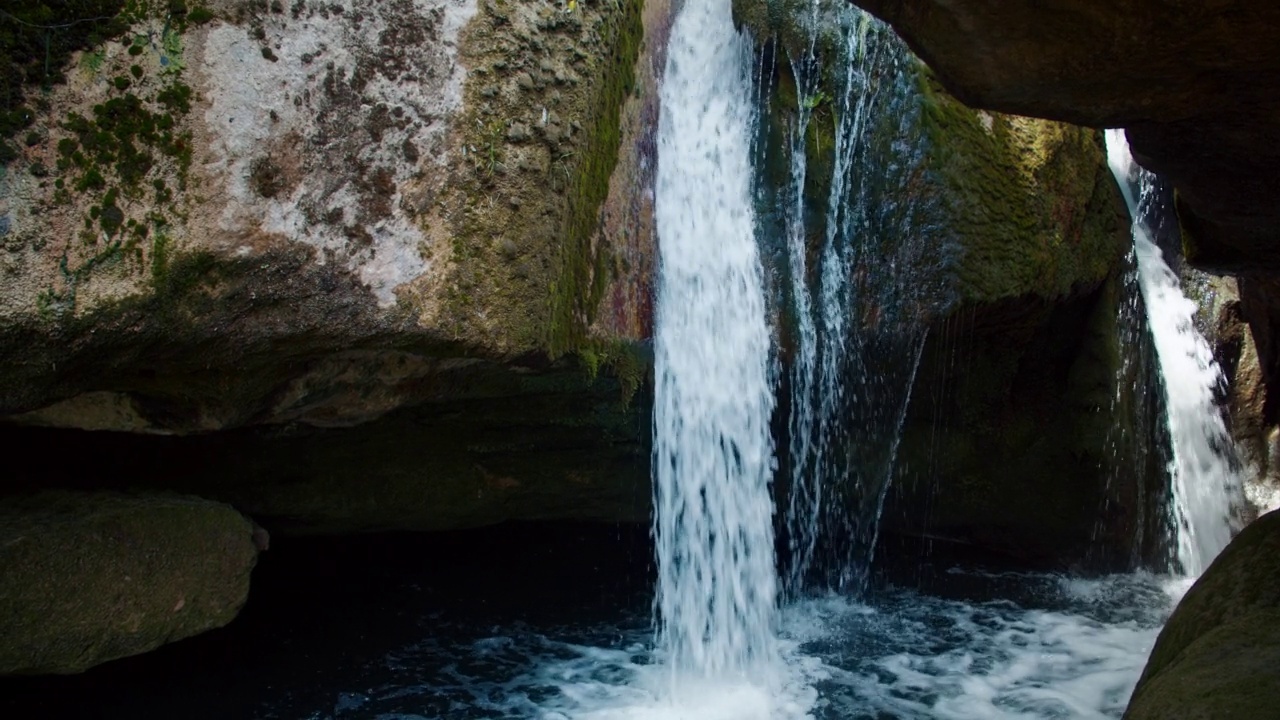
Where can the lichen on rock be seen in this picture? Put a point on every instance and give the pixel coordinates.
(351, 177)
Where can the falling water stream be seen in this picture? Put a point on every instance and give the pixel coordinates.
(1205, 474)
(713, 453)
(857, 312)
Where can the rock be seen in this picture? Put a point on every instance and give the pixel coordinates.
(1222, 322)
(1181, 79)
(87, 578)
(1218, 653)
(1196, 85)
(1008, 235)
(490, 445)
(345, 220)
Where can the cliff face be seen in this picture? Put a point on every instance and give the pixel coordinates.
(349, 266)
(1195, 85)
(222, 216)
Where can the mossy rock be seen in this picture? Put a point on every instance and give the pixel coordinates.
(1009, 206)
(91, 577)
(1218, 653)
(1031, 203)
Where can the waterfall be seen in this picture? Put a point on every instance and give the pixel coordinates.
(1205, 475)
(858, 330)
(713, 453)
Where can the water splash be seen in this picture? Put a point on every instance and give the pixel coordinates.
(1205, 474)
(713, 453)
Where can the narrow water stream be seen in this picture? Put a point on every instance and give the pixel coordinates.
(1206, 480)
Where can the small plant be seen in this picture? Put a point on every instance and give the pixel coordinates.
(200, 15)
(816, 100)
(487, 158)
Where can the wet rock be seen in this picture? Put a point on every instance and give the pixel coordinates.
(1196, 85)
(1007, 235)
(87, 578)
(1217, 655)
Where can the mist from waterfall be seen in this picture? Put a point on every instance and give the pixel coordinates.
(1205, 475)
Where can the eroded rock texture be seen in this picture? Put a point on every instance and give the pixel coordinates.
(220, 217)
(1216, 656)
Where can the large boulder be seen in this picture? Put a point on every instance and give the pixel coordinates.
(217, 215)
(1218, 653)
(1182, 77)
(87, 578)
(1196, 85)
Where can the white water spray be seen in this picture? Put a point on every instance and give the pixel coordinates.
(1205, 478)
(713, 454)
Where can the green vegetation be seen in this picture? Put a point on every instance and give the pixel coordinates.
(122, 154)
(584, 264)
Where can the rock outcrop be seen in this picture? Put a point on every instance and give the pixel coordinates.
(491, 446)
(1196, 85)
(1217, 655)
(87, 578)
(221, 216)
(1005, 237)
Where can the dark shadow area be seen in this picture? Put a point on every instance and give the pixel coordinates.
(326, 612)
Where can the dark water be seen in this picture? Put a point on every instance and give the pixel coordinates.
(554, 622)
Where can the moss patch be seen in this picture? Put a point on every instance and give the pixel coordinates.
(541, 137)
(1030, 201)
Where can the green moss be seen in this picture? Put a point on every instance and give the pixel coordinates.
(1029, 201)
(621, 359)
(36, 39)
(200, 15)
(577, 291)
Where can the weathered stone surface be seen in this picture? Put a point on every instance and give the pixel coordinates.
(87, 578)
(1195, 84)
(1217, 655)
(239, 215)
(490, 445)
(1252, 427)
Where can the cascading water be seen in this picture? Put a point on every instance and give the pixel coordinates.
(713, 453)
(859, 330)
(1205, 475)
